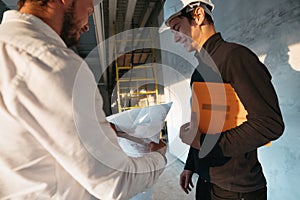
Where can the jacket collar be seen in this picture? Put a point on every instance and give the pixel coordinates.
(210, 45)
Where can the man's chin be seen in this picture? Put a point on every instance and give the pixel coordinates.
(71, 42)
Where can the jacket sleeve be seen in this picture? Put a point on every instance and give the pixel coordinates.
(252, 82)
(190, 162)
(61, 107)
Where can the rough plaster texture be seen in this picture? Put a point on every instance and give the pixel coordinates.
(272, 29)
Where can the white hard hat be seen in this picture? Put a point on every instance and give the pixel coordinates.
(173, 8)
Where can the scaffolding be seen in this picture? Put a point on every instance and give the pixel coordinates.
(136, 78)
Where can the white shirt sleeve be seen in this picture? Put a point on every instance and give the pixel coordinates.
(58, 102)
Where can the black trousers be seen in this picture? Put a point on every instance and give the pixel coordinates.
(208, 191)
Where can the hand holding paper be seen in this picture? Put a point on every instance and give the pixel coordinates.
(161, 147)
(138, 127)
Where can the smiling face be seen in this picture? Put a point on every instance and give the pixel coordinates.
(75, 21)
(186, 32)
(189, 29)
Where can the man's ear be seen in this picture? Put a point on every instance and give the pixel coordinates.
(199, 15)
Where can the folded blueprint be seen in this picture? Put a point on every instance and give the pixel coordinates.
(138, 127)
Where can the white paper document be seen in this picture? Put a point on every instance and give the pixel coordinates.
(140, 126)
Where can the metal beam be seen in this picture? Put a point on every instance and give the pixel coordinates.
(112, 7)
(129, 14)
(145, 19)
(127, 23)
(147, 14)
(100, 37)
(112, 16)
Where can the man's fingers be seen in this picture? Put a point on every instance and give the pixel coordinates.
(185, 190)
(185, 134)
(186, 183)
(188, 132)
(182, 184)
(191, 183)
(161, 147)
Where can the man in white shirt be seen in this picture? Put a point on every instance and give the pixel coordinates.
(55, 141)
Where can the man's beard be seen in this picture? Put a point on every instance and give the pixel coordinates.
(69, 28)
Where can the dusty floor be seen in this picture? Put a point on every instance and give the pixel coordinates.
(167, 187)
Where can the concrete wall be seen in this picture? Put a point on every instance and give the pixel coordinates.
(271, 28)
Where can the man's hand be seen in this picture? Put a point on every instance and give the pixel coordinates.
(189, 133)
(186, 182)
(161, 147)
(113, 126)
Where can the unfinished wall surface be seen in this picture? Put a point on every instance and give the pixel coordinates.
(270, 28)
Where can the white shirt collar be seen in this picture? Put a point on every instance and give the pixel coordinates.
(41, 26)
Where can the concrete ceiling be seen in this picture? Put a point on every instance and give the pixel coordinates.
(116, 16)
(119, 16)
(122, 15)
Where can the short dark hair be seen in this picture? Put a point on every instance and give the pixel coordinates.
(190, 16)
(40, 2)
